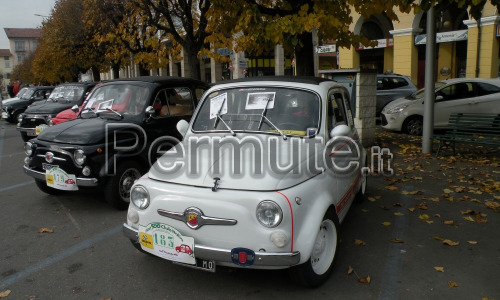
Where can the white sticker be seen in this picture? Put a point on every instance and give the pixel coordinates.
(105, 105)
(216, 104)
(259, 100)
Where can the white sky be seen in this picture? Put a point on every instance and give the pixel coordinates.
(21, 14)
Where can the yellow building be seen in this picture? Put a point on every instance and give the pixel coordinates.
(463, 48)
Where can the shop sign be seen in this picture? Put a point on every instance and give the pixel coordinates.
(382, 43)
(326, 49)
(443, 37)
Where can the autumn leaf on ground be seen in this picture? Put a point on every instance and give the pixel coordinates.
(398, 214)
(438, 238)
(429, 222)
(450, 243)
(365, 280)
(447, 191)
(472, 242)
(384, 207)
(450, 222)
(434, 199)
(391, 187)
(397, 240)
(422, 206)
(4, 293)
(386, 223)
(372, 199)
(350, 270)
(492, 205)
(469, 218)
(398, 204)
(45, 230)
(452, 284)
(439, 269)
(423, 217)
(359, 242)
(411, 209)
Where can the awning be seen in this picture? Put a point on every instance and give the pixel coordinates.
(443, 37)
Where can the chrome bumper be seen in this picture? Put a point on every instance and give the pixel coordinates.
(89, 182)
(262, 259)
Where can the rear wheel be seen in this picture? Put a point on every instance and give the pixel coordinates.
(413, 125)
(42, 185)
(316, 270)
(117, 189)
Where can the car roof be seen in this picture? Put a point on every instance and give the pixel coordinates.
(78, 83)
(297, 79)
(158, 80)
(472, 79)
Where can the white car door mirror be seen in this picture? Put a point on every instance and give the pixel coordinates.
(340, 130)
(182, 127)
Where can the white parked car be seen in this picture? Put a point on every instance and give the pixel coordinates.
(460, 95)
(266, 172)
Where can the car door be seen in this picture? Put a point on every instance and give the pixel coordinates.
(454, 98)
(488, 98)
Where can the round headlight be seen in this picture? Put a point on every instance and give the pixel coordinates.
(28, 148)
(269, 213)
(139, 196)
(20, 118)
(79, 157)
(50, 122)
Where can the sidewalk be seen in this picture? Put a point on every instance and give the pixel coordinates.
(436, 223)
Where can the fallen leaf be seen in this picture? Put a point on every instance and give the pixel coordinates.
(411, 209)
(429, 222)
(422, 206)
(492, 205)
(384, 207)
(398, 214)
(391, 187)
(469, 218)
(364, 210)
(439, 269)
(386, 223)
(46, 230)
(397, 241)
(449, 222)
(472, 242)
(372, 199)
(398, 204)
(365, 280)
(435, 199)
(423, 217)
(4, 293)
(450, 243)
(452, 284)
(350, 270)
(359, 242)
(447, 191)
(437, 215)
(438, 238)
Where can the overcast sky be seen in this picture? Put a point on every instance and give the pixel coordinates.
(21, 14)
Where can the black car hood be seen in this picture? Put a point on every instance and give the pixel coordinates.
(77, 132)
(44, 107)
(17, 103)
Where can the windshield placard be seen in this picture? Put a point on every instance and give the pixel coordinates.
(259, 100)
(216, 105)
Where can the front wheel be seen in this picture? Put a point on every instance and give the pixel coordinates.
(117, 189)
(413, 125)
(315, 271)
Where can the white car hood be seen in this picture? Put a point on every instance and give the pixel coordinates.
(250, 177)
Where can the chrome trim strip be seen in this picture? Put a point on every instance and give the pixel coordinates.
(55, 157)
(89, 182)
(203, 220)
(263, 259)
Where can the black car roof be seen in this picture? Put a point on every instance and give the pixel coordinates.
(159, 80)
(298, 79)
(79, 83)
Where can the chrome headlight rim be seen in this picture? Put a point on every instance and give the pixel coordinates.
(28, 149)
(139, 196)
(49, 121)
(269, 213)
(79, 157)
(20, 118)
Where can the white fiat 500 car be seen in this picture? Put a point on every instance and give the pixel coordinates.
(459, 95)
(265, 174)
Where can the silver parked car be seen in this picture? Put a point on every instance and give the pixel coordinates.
(459, 95)
(392, 87)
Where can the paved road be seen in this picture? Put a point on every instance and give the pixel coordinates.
(87, 257)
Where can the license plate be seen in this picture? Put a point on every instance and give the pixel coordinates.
(57, 178)
(201, 264)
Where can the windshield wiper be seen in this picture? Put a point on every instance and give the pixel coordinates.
(263, 117)
(88, 109)
(112, 110)
(218, 117)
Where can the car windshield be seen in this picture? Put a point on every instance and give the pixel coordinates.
(27, 94)
(284, 111)
(420, 93)
(21, 92)
(116, 100)
(67, 93)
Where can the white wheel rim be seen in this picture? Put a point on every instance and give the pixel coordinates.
(324, 247)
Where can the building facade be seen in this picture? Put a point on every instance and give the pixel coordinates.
(5, 70)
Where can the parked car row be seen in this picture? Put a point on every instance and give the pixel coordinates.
(261, 164)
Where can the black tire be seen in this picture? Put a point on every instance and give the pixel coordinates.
(42, 185)
(25, 136)
(317, 269)
(414, 125)
(117, 189)
(13, 118)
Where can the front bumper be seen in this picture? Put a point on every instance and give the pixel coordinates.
(262, 259)
(392, 122)
(87, 182)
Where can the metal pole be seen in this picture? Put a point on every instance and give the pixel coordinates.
(429, 94)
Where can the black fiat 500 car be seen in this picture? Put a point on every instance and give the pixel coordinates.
(13, 109)
(116, 137)
(38, 115)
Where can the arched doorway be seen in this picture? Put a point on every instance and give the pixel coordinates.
(378, 58)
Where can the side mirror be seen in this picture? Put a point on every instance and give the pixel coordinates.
(150, 111)
(340, 130)
(74, 108)
(439, 97)
(182, 127)
(47, 95)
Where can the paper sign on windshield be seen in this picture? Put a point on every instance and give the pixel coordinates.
(215, 105)
(105, 105)
(260, 100)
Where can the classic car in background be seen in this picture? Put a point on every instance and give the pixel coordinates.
(264, 176)
(38, 116)
(12, 109)
(109, 145)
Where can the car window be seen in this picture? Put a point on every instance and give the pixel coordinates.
(389, 83)
(173, 102)
(486, 89)
(457, 91)
(336, 110)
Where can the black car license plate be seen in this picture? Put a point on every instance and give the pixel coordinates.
(201, 264)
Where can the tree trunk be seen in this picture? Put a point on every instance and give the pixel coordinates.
(116, 71)
(143, 71)
(96, 74)
(304, 60)
(194, 69)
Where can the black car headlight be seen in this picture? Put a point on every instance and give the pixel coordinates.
(79, 157)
